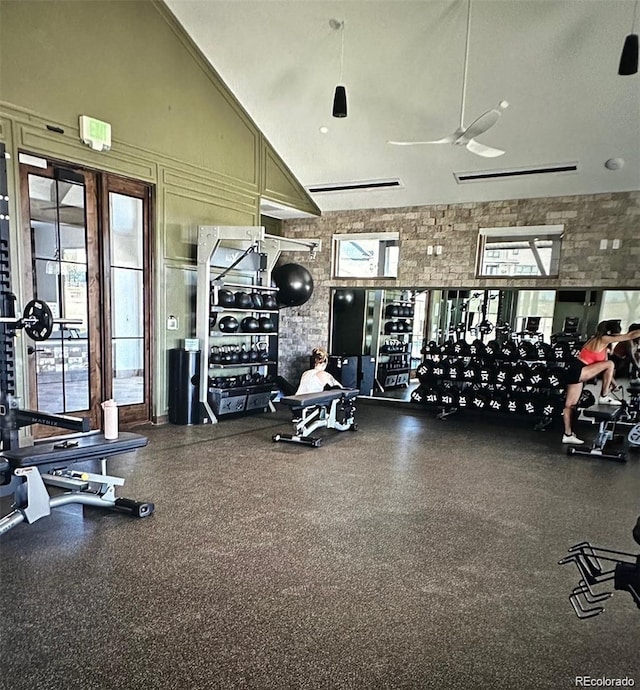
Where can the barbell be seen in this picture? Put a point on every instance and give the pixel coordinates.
(37, 320)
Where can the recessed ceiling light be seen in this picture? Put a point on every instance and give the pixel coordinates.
(324, 129)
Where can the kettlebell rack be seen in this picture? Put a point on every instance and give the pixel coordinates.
(237, 318)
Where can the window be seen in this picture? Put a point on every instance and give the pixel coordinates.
(366, 255)
(521, 251)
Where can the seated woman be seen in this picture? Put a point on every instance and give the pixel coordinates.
(626, 357)
(317, 379)
(592, 361)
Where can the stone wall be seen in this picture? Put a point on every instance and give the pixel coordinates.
(587, 220)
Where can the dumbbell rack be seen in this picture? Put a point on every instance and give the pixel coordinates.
(496, 378)
(394, 352)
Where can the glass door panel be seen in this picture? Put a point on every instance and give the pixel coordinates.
(59, 254)
(128, 364)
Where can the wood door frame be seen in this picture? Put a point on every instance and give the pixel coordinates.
(93, 284)
(139, 413)
(97, 186)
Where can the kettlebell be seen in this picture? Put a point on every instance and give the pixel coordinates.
(253, 354)
(214, 358)
(244, 355)
(256, 300)
(263, 351)
(269, 302)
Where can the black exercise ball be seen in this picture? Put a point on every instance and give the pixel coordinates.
(343, 299)
(228, 324)
(249, 324)
(294, 283)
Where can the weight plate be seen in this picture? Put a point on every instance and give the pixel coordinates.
(38, 320)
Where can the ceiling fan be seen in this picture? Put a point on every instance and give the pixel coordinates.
(466, 136)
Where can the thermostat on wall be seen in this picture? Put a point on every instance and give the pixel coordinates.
(95, 133)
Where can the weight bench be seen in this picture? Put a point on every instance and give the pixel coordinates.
(45, 465)
(598, 567)
(606, 416)
(331, 409)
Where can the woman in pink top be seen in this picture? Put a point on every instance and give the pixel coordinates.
(592, 361)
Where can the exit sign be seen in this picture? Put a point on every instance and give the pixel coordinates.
(95, 133)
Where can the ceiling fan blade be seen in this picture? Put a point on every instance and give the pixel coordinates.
(482, 150)
(445, 140)
(484, 122)
(481, 124)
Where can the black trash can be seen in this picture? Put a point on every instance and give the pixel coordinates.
(184, 375)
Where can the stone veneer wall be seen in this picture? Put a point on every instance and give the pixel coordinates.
(587, 220)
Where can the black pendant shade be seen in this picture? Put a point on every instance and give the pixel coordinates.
(340, 102)
(629, 57)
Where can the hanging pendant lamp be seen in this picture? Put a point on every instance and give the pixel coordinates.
(629, 57)
(340, 95)
(340, 102)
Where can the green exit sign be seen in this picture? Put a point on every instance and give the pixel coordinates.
(95, 133)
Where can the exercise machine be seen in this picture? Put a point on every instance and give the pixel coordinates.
(39, 472)
(607, 416)
(330, 409)
(598, 566)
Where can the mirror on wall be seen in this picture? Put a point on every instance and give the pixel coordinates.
(377, 335)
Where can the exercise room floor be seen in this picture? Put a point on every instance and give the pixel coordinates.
(415, 553)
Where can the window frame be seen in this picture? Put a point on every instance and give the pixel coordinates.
(386, 237)
(518, 235)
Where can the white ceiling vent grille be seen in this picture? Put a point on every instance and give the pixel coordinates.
(357, 186)
(488, 175)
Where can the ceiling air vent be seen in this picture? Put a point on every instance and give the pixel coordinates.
(488, 175)
(358, 186)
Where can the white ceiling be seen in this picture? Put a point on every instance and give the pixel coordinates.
(554, 61)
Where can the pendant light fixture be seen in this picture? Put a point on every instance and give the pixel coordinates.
(629, 57)
(340, 95)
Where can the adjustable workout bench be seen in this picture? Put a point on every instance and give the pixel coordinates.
(45, 465)
(331, 409)
(606, 416)
(597, 566)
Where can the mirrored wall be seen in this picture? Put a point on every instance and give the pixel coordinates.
(382, 331)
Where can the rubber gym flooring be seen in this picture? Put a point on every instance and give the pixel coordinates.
(414, 553)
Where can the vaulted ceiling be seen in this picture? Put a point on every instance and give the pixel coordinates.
(554, 61)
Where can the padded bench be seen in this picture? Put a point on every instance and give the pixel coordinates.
(606, 416)
(331, 409)
(46, 464)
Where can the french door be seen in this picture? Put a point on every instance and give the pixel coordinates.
(87, 255)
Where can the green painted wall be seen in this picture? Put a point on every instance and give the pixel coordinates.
(174, 125)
